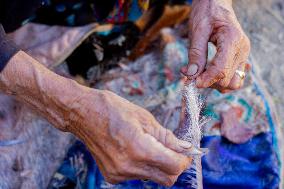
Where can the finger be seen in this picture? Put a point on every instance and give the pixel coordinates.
(168, 139)
(237, 82)
(209, 77)
(225, 91)
(158, 176)
(221, 67)
(220, 88)
(242, 49)
(200, 34)
(241, 57)
(149, 172)
(164, 158)
(108, 177)
(143, 171)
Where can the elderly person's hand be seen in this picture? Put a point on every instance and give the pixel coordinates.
(126, 140)
(215, 21)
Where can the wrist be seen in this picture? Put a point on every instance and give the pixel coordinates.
(46, 92)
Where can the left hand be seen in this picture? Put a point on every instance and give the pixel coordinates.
(126, 140)
(215, 21)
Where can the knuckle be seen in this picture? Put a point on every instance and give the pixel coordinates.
(221, 73)
(194, 53)
(138, 153)
(236, 34)
(112, 172)
(197, 23)
(169, 137)
(177, 168)
(111, 179)
(224, 91)
(146, 115)
(123, 168)
(224, 83)
(184, 165)
(247, 43)
(214, 74)
(235, 86)
(106, 95)
(115, 169)
(170, 180)
(150, 116)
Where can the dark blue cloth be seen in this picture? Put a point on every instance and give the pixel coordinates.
(253, 165)
(7, 48)
(243, 166)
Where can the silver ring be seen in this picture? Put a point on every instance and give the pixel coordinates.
(241, 74)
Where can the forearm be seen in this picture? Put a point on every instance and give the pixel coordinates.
(46, 92)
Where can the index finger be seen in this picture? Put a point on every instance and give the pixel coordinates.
(164, 158)
(221, 65)
(199, 38)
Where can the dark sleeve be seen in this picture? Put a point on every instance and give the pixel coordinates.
(14, 12)
(7, 48)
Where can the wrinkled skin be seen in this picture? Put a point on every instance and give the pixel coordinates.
(215, 21)
(126, 140)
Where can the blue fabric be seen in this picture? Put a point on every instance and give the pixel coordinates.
(252, 165)
(243, 166)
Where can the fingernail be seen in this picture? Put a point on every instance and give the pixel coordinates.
(197, 151)
(185, 144)
(192, 69)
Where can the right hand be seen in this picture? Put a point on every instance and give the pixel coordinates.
(215, 21)
(126, 140)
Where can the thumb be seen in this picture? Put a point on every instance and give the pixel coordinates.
(198, 50)
(168, 139)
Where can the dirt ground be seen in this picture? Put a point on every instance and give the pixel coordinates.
(263, 21)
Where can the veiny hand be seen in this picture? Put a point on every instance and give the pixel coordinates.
(215, 21)
(126, 140)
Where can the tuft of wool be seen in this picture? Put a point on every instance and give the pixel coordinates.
(192, 123)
